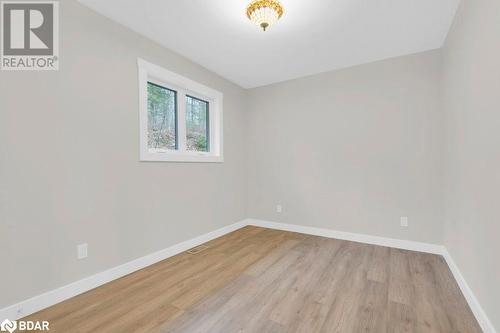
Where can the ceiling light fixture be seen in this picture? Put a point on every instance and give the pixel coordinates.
(264, 13)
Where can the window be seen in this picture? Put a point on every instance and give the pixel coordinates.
(162, 119)
(197, 129)
(180, 120)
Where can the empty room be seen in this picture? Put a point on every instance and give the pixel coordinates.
(250, 166)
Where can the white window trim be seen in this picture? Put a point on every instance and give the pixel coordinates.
(183, 86)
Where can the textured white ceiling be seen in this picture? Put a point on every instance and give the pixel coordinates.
(313, 36)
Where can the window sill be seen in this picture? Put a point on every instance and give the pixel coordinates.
(181, 157)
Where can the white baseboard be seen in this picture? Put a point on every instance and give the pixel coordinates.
(361, 238)
(55, 296)
(474, 305)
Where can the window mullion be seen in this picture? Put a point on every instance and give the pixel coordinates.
(181, 122)
(211, 128)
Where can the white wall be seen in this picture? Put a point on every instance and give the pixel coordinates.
(69, 169)
(471, 100)
(351, 150)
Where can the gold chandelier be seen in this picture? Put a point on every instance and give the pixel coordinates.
(264, 13)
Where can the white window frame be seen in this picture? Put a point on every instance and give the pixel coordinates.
(149, 72)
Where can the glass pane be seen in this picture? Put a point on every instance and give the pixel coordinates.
(197, 135)
(162, 118)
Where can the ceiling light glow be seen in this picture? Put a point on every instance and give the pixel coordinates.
(264, 13)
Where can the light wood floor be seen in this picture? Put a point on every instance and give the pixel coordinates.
(262, 280)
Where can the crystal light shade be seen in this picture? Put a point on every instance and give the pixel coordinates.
(264, 13)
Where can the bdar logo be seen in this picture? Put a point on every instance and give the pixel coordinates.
(24, 325)
(8, 326)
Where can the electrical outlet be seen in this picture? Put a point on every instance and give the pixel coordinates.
(82, 251)
(279, 208)
(404, 221)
